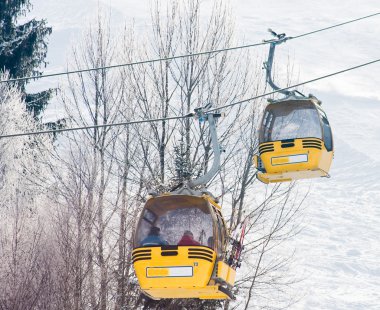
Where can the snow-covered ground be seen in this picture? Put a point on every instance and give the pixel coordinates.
(339, 249)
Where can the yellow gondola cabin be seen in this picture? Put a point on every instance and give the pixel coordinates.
(295, 141)
(180, 247)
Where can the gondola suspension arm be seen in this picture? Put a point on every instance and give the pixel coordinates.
(280, 38)
(210, 117)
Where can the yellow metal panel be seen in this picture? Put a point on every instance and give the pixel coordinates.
(210, 200)
(231, 276)
(222, 271)
(294, 163)
(207, 292)
(226, 273)
(169, 276)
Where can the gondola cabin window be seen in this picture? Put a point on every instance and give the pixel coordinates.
(290, 120)
(327, 134)
(221, 232)
(175, 225)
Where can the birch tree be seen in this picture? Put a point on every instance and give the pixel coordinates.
(97, 187)
(26, 276)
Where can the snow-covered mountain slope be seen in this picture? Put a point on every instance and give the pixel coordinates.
(339, 246)
(323, 52)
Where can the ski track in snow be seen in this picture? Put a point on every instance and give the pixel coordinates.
(338, 250)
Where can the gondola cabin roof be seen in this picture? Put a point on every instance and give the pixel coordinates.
(286, 106)
(162, 204)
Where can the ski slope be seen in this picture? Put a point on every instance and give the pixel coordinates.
(339, 247)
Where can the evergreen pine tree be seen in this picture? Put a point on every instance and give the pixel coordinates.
(182, 166)
(23, 49)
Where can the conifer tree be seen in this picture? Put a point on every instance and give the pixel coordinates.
(23, 49)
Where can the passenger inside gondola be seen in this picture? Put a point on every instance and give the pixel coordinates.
(188, 239)
(191, 225)
(153, 238)
(291, 120)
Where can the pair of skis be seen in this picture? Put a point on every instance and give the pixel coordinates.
(237, 246)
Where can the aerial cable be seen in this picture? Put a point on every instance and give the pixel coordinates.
(153, 120)
(190, 114)
(179, 56)
(334, 26)
(295, 85)
(142, 62)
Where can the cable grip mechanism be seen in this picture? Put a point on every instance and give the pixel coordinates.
(202, 115)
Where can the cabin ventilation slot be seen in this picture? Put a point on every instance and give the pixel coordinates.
(201, 253)
(141, 254)
(312, 143)
(268, 147)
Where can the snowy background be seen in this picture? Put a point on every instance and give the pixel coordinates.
(338, 252)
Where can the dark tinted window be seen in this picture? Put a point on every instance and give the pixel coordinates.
(173, 225)
(327, 135)
(290, 120)
(221, 232)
